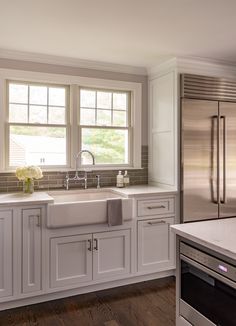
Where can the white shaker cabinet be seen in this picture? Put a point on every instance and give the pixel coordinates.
(70, 260)
(155, 245)
(31, 250)
(6, 254)
(111, 255)
(82, 258)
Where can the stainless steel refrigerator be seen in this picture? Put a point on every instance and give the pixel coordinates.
(208, 148)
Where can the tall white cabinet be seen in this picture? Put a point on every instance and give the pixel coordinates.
(163, 134)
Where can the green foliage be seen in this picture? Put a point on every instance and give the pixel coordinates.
(39, 131)
(108, 145)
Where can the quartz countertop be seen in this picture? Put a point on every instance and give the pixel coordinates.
(17, 198)
(140, 190)
(40, 197)
(218, 235)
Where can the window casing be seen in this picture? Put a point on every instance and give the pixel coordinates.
(72, 84)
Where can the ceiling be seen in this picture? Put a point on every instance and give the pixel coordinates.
(132, 32)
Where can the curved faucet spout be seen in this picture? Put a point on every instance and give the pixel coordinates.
(76, 177)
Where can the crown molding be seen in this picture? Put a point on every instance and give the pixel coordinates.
(194, 65)
(71, 62)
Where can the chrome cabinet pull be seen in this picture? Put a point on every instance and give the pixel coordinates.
(38, 223)
(154, 207)
(90, 245)
(96, 244)
(157, 222)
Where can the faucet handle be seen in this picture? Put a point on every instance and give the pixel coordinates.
(98, 181)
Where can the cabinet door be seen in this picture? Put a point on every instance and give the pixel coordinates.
(32, 250)
(111, 254)
(155, 245)
(6, 254)
(70, 260)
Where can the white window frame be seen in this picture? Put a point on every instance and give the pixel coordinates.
(129, 127)
(74, 82)
(66, 125)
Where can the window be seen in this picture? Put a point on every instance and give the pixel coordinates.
(48, 123)
(105, 126)
(37, 124)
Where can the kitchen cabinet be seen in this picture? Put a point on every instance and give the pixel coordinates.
(70, 260)
(82, 258)
(111, 255)
(31, 250)
(163, 130)
(155, 245)
(6, 253)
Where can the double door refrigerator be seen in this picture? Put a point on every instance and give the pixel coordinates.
(208, 148)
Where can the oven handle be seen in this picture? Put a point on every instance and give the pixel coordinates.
(208, 271)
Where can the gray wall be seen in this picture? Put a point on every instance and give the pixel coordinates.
(84, 72)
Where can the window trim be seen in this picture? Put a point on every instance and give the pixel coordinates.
(73, 83)
(129, 127)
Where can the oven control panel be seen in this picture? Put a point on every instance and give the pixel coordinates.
(209, 261)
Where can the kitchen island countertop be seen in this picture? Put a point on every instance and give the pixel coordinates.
(218, 235)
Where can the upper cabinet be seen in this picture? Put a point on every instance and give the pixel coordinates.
(163, 130)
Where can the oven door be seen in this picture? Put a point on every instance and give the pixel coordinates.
(206, 298)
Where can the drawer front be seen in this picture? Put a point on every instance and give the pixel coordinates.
(155, 245)
(156, 207)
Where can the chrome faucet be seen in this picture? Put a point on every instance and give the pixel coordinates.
(76, 177)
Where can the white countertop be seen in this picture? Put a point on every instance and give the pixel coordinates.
(133, 191)
(40, 197)
(17, 198)
(218, 235)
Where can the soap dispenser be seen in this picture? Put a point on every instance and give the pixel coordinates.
(119, 180)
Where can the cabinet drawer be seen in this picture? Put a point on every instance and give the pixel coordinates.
(155, 207)
(155, 245)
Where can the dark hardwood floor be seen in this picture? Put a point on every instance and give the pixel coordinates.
(149, 303)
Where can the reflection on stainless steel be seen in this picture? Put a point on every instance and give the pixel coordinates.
(208, 150)
(199, 161)
(228, 170)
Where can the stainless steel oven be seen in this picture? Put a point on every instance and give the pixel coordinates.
(207, 288)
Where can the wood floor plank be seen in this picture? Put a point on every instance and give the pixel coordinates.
(149, 303)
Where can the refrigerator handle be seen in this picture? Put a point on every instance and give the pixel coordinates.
(214, 159)
(223, 200)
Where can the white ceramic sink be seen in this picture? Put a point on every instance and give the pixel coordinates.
(83, 207)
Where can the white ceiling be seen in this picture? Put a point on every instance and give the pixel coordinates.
(132, 32)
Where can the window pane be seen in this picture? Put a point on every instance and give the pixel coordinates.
(57, 96)
(120, 118)
(18, 113)
(37, 145)
(103, 100)
(38, 95)
(37, 114)
(108, 146)
(18, 93)
(57, 115)
(104, 117)
(87, 116)
(87, 98)
(120, 101)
